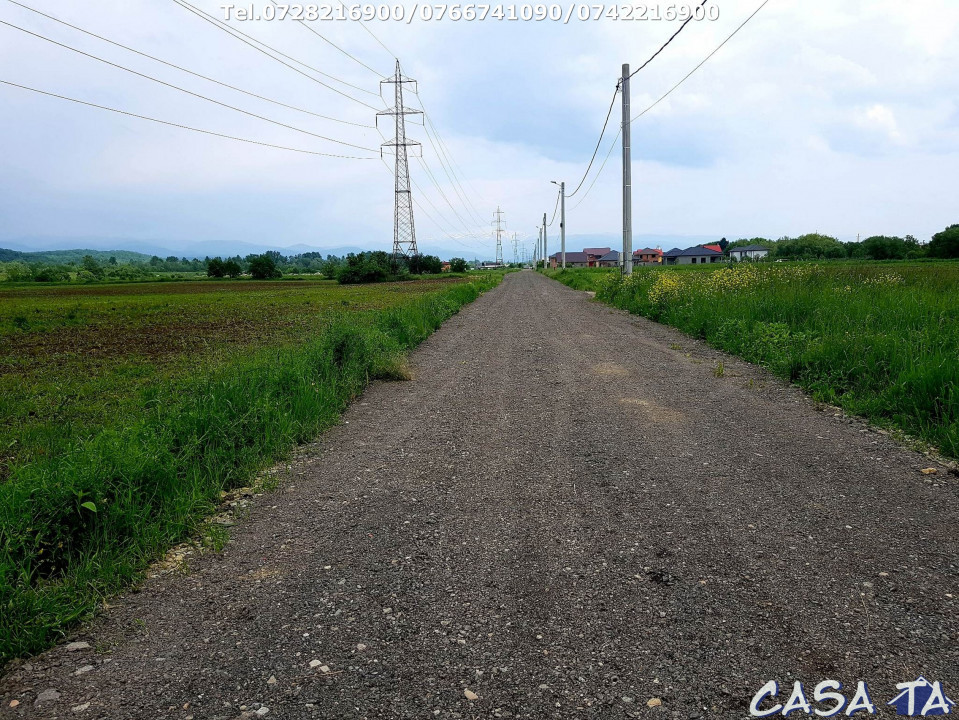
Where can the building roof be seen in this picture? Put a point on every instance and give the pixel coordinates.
(611, 256)
(571, 257)
(594, 251)
(699, 250)
(649, 251)
(675, 252)
(714, 246)
(749, 248)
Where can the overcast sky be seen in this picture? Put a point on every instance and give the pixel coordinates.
(835, 116)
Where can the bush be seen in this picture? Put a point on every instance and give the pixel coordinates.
(232, 268)
(880, 247)
(51, 274)
(810, 247)
(425, 265)
(946, 243)
(365, 267)
(458, 265)
(263, 267)
(215, 268)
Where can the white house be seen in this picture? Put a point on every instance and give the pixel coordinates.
(749, 252)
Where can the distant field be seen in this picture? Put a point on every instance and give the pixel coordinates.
(75, 357)
(126, 409)
(880, 340)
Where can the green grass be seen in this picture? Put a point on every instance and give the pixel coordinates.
(135, 406)
(880, 340)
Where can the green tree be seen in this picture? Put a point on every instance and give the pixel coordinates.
(263, 267)
(945, 244)
(232, 268)
(425, 265)
(215, 268)
(365, 267)
(810, 247)
(90, 265)
(458, 265)
(880, 247)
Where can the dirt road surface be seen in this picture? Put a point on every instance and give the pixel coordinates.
(569, 512)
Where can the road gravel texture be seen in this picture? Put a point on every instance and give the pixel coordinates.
(568, 512)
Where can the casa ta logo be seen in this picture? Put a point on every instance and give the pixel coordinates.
(919, 698)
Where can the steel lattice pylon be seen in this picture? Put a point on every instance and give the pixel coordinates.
(404, 231)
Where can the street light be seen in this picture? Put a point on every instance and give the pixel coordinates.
(562, 220)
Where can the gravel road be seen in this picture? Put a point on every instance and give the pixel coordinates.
(568, 512)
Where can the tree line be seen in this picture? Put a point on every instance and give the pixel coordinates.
(815, 246)
(361, 267)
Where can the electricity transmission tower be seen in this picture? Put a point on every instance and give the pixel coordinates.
(515, 250)
(499, 235)
(404, 233)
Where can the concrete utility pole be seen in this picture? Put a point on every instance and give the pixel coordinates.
(627, 180)
(539, 245)
(562, 221)
(545, 252)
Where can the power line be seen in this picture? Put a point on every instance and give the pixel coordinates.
(667, 94)
(334, 45)
(445, 197)
(363, 25)
(665, 44)
(249, 40)
(596, 149)
(460, 192)
(705, 60)
(450, 234)
(555, 209)
(184, 90)
(178, 125)
(613, 101)
(183, 69)
(445, 152)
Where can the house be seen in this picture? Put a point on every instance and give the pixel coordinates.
(749, 252)
(698, 255)
(573, 259)
(610, 259)
(670, 257)
(594, 255)
(648, 256)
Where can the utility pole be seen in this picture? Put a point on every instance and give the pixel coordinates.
(499, 236)
(539, 245)
(562, 221)
(515, 251)
(627, 180)
(545, 251)
(404, 232)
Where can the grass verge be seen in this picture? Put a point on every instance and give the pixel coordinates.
(880, 340)
(85, 522)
